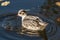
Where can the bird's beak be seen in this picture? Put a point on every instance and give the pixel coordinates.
(17, 15)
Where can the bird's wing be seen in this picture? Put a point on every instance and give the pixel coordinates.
(42, 23)
(39, 20)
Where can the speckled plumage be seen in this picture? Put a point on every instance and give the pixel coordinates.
(31, 24)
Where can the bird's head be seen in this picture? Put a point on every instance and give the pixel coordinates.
(22, 13)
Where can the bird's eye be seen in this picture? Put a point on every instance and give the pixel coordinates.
(19, 13)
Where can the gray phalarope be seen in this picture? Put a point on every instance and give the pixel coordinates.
(31, 24)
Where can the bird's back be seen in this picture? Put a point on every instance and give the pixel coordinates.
(30, 17)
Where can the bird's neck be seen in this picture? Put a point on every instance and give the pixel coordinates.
(23, 17)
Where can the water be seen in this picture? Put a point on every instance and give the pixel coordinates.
(15, 5)
(32, 5)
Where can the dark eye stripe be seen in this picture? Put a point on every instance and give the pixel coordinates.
(21, 13)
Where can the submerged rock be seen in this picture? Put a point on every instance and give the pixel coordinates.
(6, 3)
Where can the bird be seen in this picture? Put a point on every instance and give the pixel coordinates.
(31, 24)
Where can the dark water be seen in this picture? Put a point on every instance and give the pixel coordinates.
(33, 6)
(15, 5)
